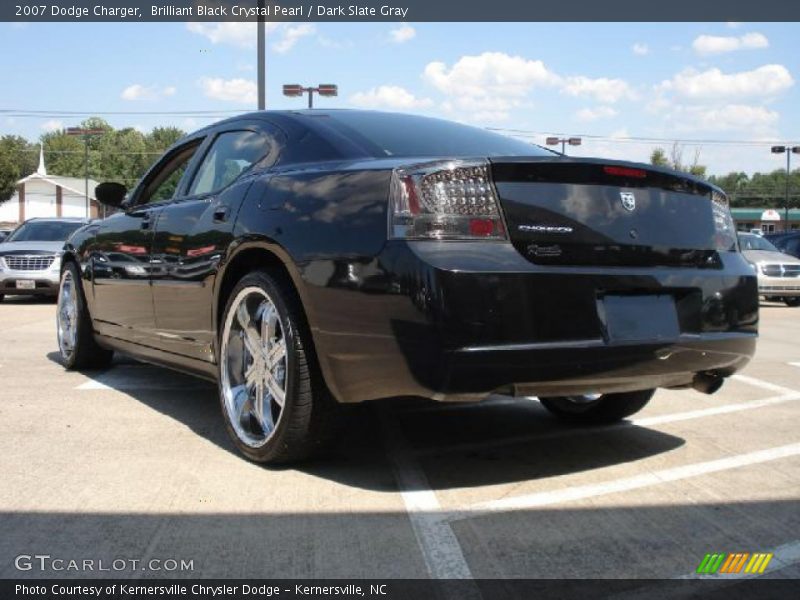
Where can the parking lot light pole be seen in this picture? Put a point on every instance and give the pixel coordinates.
(788, 150)
(85, 134)
(572, 141)
(261, 48)
(323, 89)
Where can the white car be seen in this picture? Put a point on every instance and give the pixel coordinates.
(778, 273)
(30, 257)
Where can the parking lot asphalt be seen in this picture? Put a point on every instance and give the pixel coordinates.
(133, 464)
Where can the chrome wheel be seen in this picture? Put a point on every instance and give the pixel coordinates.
(67, 315)
(253, 366)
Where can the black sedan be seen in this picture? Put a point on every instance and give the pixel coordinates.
(310, 258)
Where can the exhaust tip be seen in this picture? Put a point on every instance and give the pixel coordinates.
(707, 383)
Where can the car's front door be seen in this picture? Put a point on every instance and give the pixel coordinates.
(192, 234)
(121, 256)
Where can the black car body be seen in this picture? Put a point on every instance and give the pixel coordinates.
(427, 259)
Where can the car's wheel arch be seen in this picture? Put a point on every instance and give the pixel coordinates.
(253, 253)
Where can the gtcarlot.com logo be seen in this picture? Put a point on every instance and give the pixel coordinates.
(723, 563)
(46, 562)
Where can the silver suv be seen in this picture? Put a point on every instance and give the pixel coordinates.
(30, 257)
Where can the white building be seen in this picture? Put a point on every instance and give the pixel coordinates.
(43, 195)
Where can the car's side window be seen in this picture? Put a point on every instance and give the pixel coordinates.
(164, 183)
(232, 153)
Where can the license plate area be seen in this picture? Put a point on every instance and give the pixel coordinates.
(26, 284)
(637, 318)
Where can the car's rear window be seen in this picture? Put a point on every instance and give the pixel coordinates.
(44, 231)
(388, 134)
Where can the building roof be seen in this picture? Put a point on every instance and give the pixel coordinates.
(754, 214)
(75, 185)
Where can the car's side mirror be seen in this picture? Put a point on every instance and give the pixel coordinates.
(110, 193)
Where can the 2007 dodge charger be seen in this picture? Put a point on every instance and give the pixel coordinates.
(304, 259)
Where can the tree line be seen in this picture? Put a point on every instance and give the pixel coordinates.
(121, 155)
(124, 155)
(761, 190)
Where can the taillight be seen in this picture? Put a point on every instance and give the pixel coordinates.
(724, 227)
(452, 199)
(624, 172)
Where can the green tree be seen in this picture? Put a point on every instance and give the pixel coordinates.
(17, 160)
(675, 160)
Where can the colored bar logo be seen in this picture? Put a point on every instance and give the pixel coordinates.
(723, 563)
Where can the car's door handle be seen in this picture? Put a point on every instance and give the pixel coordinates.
(220, 214)
(145, 224)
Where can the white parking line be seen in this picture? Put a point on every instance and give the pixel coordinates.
(794, 364)
(440, 548)
(625, 484)
(765, 385)
(645, 422)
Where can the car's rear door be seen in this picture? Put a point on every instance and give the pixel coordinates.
(121, 255)
(194, 231)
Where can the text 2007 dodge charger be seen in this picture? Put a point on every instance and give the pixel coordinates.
(304, 259)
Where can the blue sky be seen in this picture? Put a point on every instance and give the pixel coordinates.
(717, 82)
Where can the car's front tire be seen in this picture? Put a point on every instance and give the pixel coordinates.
(76, 342)
(793, 301)
(596, 409)
(276, 407)
(2, 297)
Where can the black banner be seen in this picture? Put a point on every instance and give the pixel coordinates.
(398, 10)
(485, 589)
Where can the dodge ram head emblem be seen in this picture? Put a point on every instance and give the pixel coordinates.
(628, 200)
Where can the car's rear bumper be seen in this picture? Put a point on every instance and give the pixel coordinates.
(453, 320)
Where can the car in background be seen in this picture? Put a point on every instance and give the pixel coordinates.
(30, 257)
(788, 242)
(778, 272)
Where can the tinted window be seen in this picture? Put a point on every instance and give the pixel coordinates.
(748, 241)
(387, 134)
(231, 154)
(164, 183)
(44, 231)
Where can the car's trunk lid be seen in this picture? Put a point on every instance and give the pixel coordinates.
(572, 211)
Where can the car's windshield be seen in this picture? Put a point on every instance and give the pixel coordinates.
(389, 134)
(44, 231)
(748, 241)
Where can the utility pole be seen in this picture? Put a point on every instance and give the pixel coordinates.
(262, 57)
(85, 134)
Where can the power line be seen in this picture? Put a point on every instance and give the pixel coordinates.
(13, 112)
(633, 139)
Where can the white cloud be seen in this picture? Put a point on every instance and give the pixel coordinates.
(716, 44)
(389, 96)
(239, 34)
(601, 89)
(733, 24)
(291, 35)
(593, 114)
(241, 91)
(243, 34)
(727, 117)
(138, 91)
(713, 84)
(52, 125)
(402, 34)
(640, 49)
(491, 74)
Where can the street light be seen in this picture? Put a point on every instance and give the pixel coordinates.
(323, 89)
(788, 150)
(86, 134)
(572, 141)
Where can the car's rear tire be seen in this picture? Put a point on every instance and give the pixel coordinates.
(598, 408)
(2, 297)
(795, 301)
(76, 342)
(276, 406)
